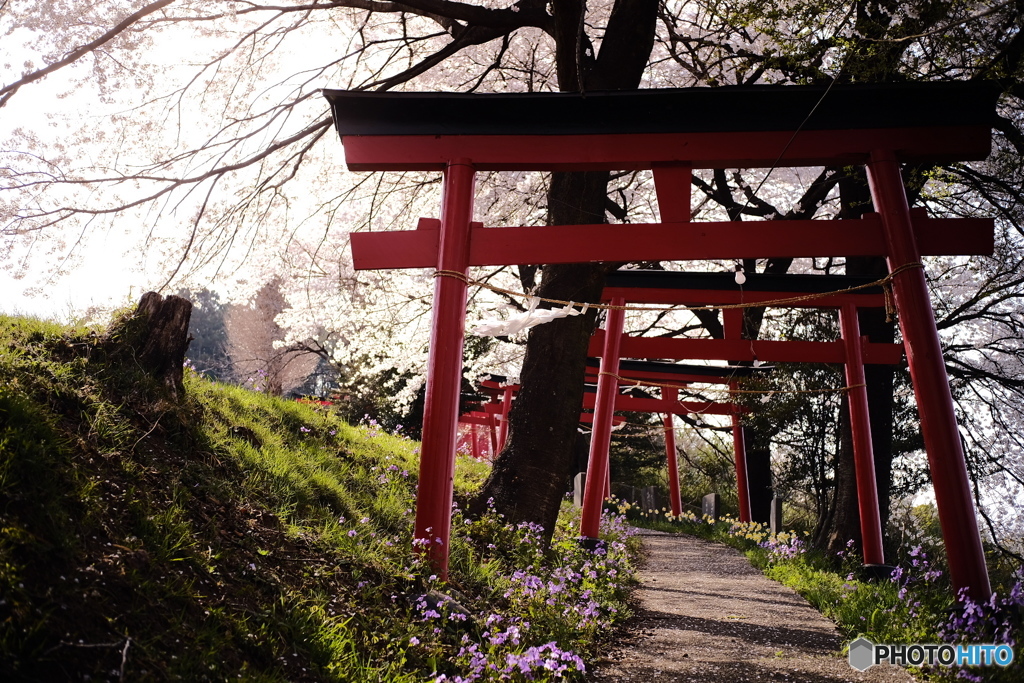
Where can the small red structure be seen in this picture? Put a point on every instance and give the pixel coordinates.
(671, 377)
(494, 414)
(672, 132)
(794, 291)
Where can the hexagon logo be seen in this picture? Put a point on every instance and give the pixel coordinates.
(862, 654)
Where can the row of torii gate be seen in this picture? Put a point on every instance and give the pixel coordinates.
(716, 289)
(672, 132)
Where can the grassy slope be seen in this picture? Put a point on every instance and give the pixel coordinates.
(230, 534)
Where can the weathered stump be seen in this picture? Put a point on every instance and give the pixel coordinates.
(156, 335)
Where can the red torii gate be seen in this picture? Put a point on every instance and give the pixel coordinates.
(494, 413)
(671, 377)
(786, 291)
(671, 132)
(665, 374)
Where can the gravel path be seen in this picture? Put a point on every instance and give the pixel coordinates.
(707, 615)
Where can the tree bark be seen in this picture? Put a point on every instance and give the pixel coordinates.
(844, 517)
(844, 520)
(759, 474)
(531, 474)
(156, 336)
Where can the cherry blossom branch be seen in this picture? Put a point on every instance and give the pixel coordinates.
(8, 91)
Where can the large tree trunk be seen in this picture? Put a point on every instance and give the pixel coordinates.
(844, 523)
(843, 517)
(759, 474)
(531, 473)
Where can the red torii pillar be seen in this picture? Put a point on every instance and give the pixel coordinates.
(860, 428)
(444, 373)
(671, 394)
(946, 461)
(732, 326)
(600, 439)
(477, 453)
(739, 450)
(492, 429)
(506, 407)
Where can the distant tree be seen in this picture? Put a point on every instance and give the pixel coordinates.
(638, 452)
(255, 343)
(207, 351)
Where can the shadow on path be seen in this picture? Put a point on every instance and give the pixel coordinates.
(706, 615)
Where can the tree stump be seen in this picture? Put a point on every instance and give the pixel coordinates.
(160, 338)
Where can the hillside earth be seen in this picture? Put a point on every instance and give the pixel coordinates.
(216, 533)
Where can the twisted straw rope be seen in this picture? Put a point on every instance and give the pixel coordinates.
(645, 383)
(884, 283)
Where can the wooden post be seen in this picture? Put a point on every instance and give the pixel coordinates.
(931, 384)
(506, 407)
(739, 448)
(444, 369)
(860, 426)
(604, 410)
(671, 394)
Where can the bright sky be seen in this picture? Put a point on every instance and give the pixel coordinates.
(103, 280)
(109, 269)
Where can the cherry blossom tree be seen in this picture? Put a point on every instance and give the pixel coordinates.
(197, 126)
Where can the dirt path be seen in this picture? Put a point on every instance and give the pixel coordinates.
(707, 615)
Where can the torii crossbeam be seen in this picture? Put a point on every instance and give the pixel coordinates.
(672, 132)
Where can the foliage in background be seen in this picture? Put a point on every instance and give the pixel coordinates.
(637, 453)
(237, 534)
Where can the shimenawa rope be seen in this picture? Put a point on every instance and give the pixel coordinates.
(645, 383)
(885, 283)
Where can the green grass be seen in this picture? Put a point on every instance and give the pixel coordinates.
(228, 534)
(205, 535)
